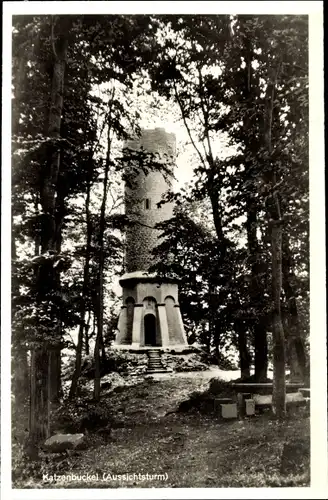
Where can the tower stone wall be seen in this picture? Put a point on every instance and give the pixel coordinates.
(142, 197)
(150, 315)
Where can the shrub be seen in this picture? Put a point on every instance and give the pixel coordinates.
(220, 360)
(80, 415)
(184, 363)
(219, 387)
(121, 362)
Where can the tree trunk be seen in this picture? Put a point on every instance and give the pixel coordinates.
(260, 352)
(86, 342)
(275, 231)
(40, 367)
(85, 287)
(39, 399)
(279, 378)
(216, 337)
(256, 295)
(103, 349)
(96, 391)
(295, 341)
(20, 372)
(20, 368)
(55, 388)
(100, 302)
(256, 288)
(244, 357)
(55, 353)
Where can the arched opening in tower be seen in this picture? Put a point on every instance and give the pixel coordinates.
(150, 329)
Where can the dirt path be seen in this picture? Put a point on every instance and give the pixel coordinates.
(213, 371)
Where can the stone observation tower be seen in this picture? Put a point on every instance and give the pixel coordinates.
(150, 316)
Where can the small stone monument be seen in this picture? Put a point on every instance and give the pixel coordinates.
(229, 410)
(250, 407)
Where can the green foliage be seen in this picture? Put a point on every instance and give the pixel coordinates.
(186, 363)
(219, 387)
(116, 361)
(81, 415)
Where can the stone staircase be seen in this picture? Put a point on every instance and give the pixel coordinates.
(155, 364)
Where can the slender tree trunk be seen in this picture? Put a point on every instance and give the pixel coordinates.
(256, 295)
(260, 352)
(217, 339)
(254, 251)
(86, 342)
(103, 349)
(96, 392)
(55, 388)
(100, 312)
(55, 352)
(20, 371)
(39, 400)
(295, 341)
(244, 357)
(20, 368)
(78, 362)
(279, 378)
(205, 337)
(86, 275)
(275, 229)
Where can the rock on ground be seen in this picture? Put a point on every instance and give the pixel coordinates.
(63, 442)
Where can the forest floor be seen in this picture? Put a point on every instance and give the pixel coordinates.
(188, 449)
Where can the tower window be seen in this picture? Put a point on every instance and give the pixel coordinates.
(147, 203)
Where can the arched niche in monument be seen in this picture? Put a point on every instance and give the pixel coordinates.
(149, 304)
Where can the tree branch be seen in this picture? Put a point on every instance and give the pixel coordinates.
(186, 125)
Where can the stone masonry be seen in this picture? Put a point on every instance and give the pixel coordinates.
(148, 189)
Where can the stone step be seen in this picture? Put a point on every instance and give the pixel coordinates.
(155, 364)
(158, 370)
